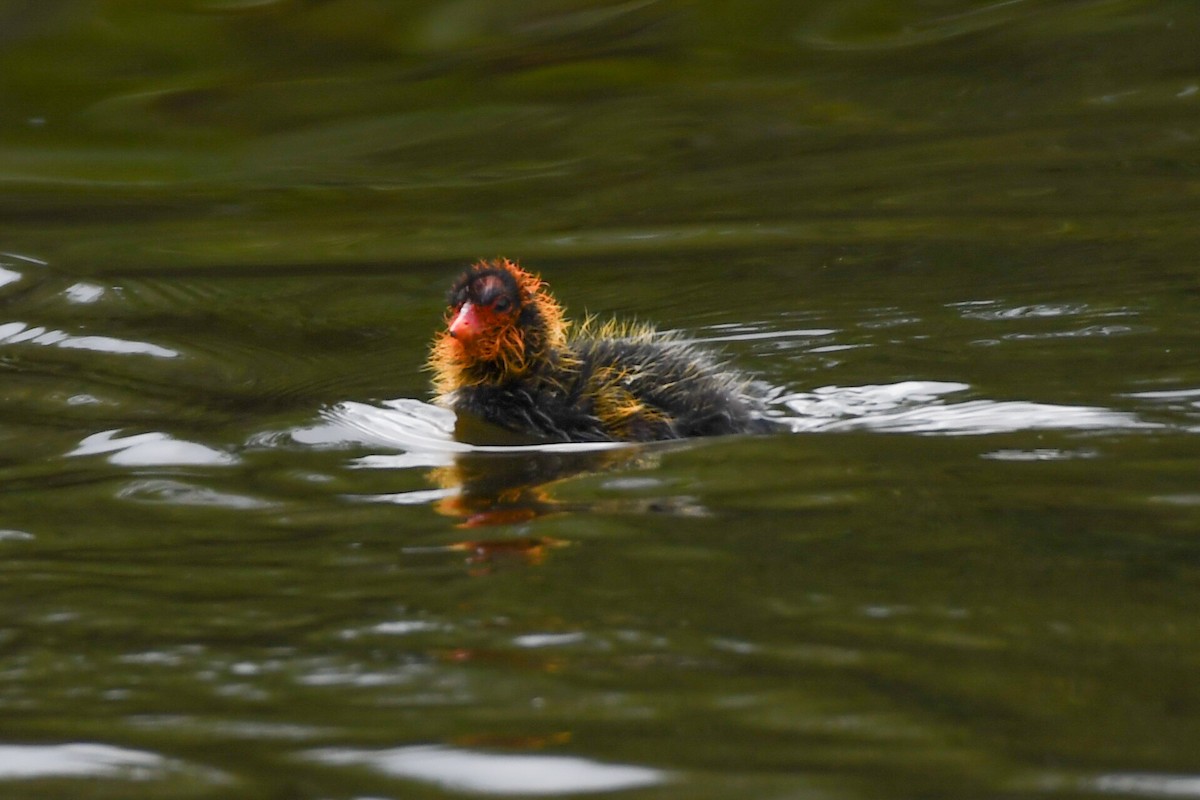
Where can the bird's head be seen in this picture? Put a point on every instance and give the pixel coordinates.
(500, 321)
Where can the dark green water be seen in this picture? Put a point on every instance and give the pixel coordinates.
(243, 559)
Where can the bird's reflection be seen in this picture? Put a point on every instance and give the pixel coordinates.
(496, 488)
(489, 478)
(493, 489)
(503, 487)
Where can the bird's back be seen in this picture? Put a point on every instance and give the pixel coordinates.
(656, 386)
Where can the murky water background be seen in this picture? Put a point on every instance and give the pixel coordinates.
(956, 241)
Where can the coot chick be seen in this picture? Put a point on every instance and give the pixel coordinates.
(507, 355)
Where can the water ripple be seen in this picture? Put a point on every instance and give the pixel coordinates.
(986, 310)
(150, 449)
(917, 407)
(424, 434)
(413, 426)
(19, 332)
(178, 493)
(462, 770)
(1149, 785)
(49, 761)
(87, 760)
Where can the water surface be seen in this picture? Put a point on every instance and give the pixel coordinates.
(954, 243)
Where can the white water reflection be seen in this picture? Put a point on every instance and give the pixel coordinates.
(918, 407)
(402, 424)
(490, 773)
(77, 761)
(149, 450)
(19, 332)
(1039, 454)
(1149, 785)
(10, 535)
(82, 293)
(425, 432)
(994, 311)
(1185, 401)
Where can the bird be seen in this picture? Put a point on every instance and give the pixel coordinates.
(508, 355)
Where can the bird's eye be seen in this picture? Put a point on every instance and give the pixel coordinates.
(502, 304)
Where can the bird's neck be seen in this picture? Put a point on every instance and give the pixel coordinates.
(536, 360)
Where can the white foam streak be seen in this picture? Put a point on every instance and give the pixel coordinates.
(490, 773)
